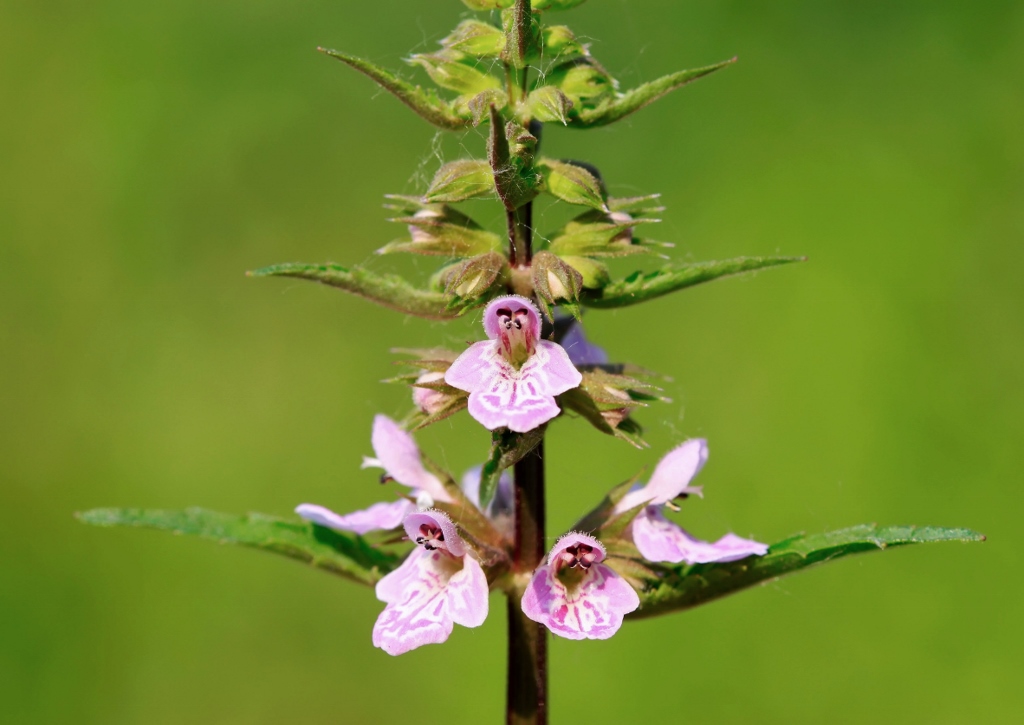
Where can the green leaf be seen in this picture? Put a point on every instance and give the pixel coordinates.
(622, 105)
(641, 287)
(347, 555)
(388, 290)
(425, 103)
(674, 588)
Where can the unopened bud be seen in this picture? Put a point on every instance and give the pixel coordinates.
(427, 397)
(455, 71)
(561, 45)
(548, 104)
(555, 280)
(584, 81)
(460, 180)
(476, 38)
(573, 183)
(475, 277)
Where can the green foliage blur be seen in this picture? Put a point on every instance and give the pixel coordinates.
(152, 152)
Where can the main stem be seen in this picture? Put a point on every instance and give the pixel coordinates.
(527, 693)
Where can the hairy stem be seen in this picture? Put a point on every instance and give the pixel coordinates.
(527, 693)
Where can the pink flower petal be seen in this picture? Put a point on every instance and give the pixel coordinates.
(593, 610)
(399, 455)
(429, 400)
(467, 594)
(474, 367)
(671, 477)
(659, 539)
(500, 395)
(426, 596)
(381, 516)
(417, 609)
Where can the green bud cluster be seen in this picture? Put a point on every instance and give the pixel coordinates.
(514, 72)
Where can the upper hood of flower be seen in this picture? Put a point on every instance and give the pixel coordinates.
(399, 456)
(671, 477)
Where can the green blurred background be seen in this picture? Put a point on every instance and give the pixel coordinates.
(152, 152)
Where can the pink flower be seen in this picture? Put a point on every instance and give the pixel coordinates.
(659, 539)
(513, 377)
(439, 585)
(575, 595)
(399, 456)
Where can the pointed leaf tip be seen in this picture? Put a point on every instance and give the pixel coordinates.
(678, 587)
(339, 553)
(426, 104)
(641, 287)
(388, 290)
(622, 105)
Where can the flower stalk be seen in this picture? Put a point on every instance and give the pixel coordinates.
(527, 688)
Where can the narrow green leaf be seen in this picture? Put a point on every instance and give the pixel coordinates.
(388, 290)
(640, 287)
(425, 103)
(622, 105)
(347, 555)
(680, 587)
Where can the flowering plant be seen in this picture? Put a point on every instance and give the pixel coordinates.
(435, 551)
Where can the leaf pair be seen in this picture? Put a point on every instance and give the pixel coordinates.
(664, 589)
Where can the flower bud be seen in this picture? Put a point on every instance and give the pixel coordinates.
(460, 180)
(584, 81)
(548, 104)
(593, 273)
(560, 44)
(599, 234)
(430, 394)
(573, 183)
(476, 38)
(554, 280)
(473, 278)
(440, 230)
(455, 71)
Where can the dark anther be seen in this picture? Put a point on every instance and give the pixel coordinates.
(384, 478)
(581, 556)
(430, 537)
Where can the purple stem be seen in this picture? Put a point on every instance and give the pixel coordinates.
(527, 692)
